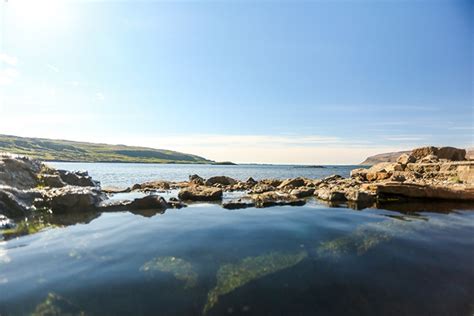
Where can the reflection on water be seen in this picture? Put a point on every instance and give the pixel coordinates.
(116, 263)
(181, 269)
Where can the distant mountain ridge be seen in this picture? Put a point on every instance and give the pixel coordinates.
(392, 156)
(65, 150)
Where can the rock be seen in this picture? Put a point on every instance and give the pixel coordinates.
(360, 174)
(16, 203)
(398, 177)
(292, 183)
(270, 182)
(405, 159)
(429, 159)
(200, 193)
(19, 172)
(261, 188)
(302, 192)
(251, 182)
(175, 203)
(449, 153)
(51, 180)
(234, 205)
(74, 199)
(331, 178)
(78, 178)
(359, 196)
(195, 179)
(115, 190)
(223, 180)
(6, 223)
(328, 194)
(382, 171)
(274, 198)
(154, 185)
(412, 190)
(152, 201)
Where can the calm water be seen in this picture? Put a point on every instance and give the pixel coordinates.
(203, 259)
(119, 174)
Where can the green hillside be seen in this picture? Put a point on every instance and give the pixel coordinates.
(64, 150)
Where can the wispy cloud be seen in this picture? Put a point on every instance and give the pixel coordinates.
(8, 59)
(52, 67)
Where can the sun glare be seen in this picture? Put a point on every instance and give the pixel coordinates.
(36, 12)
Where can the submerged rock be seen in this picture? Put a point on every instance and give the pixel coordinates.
(56, 305)
(200, 193)
(180, 268)
(235, 275)
(234, 205)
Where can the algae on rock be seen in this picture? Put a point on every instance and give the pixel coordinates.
(180, 268)
(234, 275)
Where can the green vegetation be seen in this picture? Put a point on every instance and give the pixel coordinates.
(64, 150)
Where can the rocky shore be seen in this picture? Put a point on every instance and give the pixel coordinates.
(27, 186)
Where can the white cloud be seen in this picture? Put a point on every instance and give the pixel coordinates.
(7, 59)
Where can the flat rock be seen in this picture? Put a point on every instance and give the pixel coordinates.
(223, 180)
(200, 193)
(412, 190)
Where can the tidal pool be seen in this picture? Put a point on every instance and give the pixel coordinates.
(205, 260)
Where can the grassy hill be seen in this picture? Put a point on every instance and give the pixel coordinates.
(64, 150)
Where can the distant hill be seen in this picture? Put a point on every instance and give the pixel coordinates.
(64, 150)
(385, 157)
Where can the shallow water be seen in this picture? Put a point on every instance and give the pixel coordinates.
(206, 260)
(124, 174)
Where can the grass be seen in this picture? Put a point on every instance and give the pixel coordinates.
(64, 150)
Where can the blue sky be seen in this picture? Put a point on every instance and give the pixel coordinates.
(248, 81)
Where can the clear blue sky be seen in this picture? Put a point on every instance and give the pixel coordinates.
(248, 81)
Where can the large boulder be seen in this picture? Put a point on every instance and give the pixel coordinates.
(405, 159)
(330, 194)
(200, 193)
(74, 199)
(292, 183)
(223, 180)
(17, 203)
(19, 172)
(196, 179)
(77, 178)
(149, 202)
(449, 153)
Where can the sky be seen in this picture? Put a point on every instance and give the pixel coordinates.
(308, 82)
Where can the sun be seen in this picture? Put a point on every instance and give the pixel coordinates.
(35, 12)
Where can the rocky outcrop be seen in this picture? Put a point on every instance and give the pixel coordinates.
(74, 199)
(448, 153)
(222, 180)
(200, 193)
(425, 191)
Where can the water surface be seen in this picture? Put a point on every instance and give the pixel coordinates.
(206, 260)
